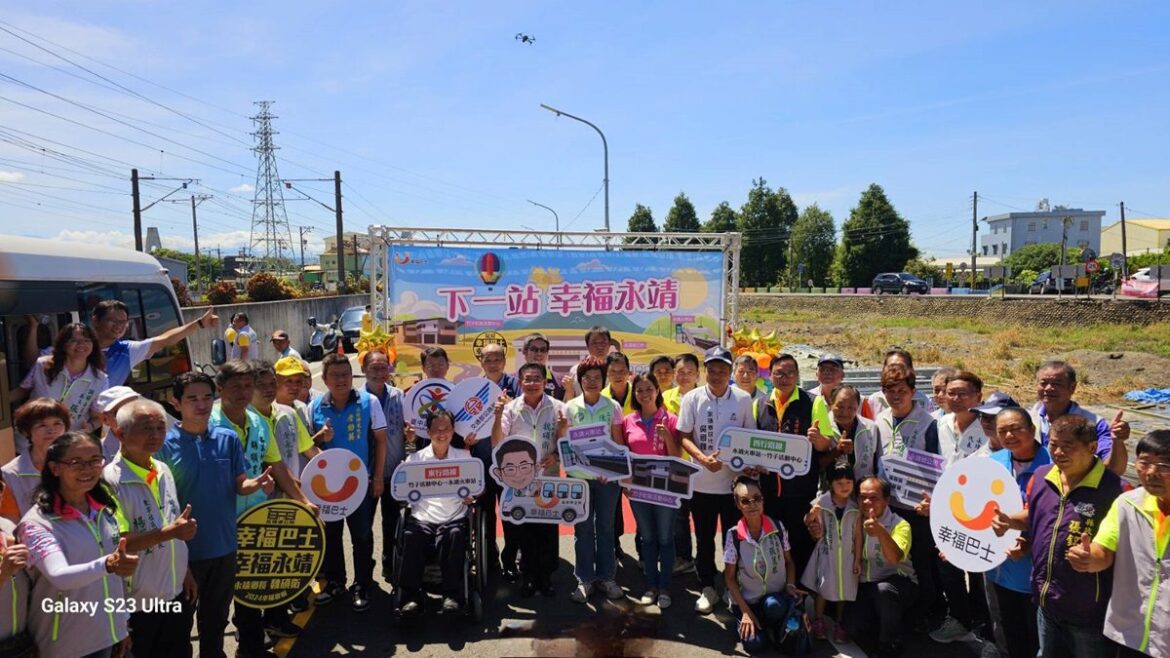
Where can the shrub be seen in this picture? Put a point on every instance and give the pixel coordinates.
(264, 287)
(181, 292)
(223, 292)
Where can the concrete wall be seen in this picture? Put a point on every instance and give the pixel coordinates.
(1045, 311)
(266, 317)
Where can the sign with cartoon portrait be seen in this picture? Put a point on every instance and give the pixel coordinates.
(336, 481)
(531, 499)
(962, 507)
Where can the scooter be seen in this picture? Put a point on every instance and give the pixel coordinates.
(324, 338)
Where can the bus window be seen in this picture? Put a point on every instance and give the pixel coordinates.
(578, 492)
(549, 489)
(562, 490)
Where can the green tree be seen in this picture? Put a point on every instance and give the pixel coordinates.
(723, 220)
(642, 221)
(925, 269)
(682, 217)
(813, 240)
(874, 239)
(1039, 257)
(766, 221)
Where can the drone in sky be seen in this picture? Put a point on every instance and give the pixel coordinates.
(525, 38)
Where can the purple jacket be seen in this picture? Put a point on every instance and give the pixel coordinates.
(1056, 520)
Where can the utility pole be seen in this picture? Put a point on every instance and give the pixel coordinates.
(340, 230)
(974, 233)
(1124, 253)
(303, 230)
(137, 209)
(1064, 222)
(196, 199)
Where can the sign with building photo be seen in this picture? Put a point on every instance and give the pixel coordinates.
(788, 455)
(589, 450)
(661, 481)
(413, 481)
(280, 546)
(912, 475)
(653, 302)
(963, 505)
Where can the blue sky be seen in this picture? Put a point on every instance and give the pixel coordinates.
(431, 110)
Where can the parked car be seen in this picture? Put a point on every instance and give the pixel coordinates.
(899, 282)
(351, 325)
(1046, 284)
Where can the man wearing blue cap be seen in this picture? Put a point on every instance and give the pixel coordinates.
(703, 415)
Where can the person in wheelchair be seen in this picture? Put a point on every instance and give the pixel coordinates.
(435, 525)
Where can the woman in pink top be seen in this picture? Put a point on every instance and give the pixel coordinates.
(651, 431)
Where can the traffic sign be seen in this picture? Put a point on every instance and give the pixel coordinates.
(1092, 266)
(1117, 261)
(950, 271)
(1087, 254)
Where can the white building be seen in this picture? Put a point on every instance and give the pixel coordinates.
(1008, 232)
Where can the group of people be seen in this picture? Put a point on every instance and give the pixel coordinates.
(146, 514)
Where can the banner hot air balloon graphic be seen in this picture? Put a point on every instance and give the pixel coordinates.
(490, 268)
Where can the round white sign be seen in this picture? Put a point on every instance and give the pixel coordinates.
(962, 507)
(423, 399)
(336, 481)
(473, 402)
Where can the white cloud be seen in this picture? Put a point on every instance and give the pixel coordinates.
(455, 260)
(590, 266)
(410, 304)
(242, 187)
(227, 242)
(11, 176)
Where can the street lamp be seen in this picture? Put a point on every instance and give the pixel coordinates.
(555, 215)
(604, 145)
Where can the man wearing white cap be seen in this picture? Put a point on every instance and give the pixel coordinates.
(109, 402)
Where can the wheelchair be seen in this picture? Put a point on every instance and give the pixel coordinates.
(474, 564)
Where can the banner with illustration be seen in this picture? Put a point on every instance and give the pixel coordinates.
(653, 302)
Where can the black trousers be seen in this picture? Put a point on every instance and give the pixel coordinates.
(682, 531)
(924, 557)
(708, 511)
(160, 633)
(539, 552)
(250, 623)
(216, 580)
(967, 606)
(881, 606)
(1014, 615)
(391, 509)
(792, 511)
(420, 541)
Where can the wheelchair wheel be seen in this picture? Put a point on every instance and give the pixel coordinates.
(475, 606)
(396, 559)
(481, 552)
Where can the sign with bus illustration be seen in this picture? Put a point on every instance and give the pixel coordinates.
(459, 478)
(661, 481)
(789, 455)
(547, 500)
(589, 451)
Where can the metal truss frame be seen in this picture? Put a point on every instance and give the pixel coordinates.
(382, 237)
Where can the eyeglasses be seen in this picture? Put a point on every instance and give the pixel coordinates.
(537, 350)
(592, 379)
(523, 468)
(79, 464)
(754, 500)
(1157, 468)
(783, 374)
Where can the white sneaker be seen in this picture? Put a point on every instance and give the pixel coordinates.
(581, 594)
(612, 590)
(648, 598)
(663, 601)
(706, 602)
(952, 631)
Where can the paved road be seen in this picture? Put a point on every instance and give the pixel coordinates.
(540, 626)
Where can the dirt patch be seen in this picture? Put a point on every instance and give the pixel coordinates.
(1111, 374)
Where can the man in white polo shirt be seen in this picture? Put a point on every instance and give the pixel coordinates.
(702, 416)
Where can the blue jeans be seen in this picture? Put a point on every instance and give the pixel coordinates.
(771, 610)
(1059, 639)
(656, 526)
(593, 542)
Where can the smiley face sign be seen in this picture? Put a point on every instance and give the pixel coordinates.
(963, 505)
(336, 481)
